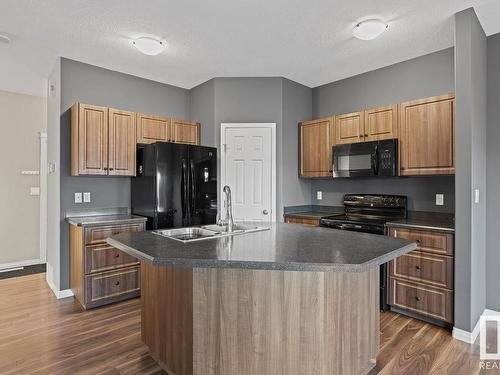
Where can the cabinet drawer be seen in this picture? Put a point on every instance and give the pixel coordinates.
(427, 241)
(112, 285)
(433, 302)
(95, 235)
(103, 257)
(436, 270)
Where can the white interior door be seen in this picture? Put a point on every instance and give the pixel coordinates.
(248, 164)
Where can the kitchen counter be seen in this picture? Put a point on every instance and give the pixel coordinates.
(96, 220)
(283, 300)
(284, 247)
(442, 224)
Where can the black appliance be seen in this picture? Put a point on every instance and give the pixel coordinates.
(176, 185)
(365, 159)
(368, 213)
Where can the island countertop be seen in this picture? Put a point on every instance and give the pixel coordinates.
(285, 247)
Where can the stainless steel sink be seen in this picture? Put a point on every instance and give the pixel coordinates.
(236, 228)
(206, 232)
(186, 234)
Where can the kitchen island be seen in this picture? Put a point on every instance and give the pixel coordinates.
(288, 300)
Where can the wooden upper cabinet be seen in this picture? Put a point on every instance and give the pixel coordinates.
(122, 143)
(381, 123)
(349, 128)
(315, 142)
(89, 140)
(151, 129)
(185, 132)
(427, 136)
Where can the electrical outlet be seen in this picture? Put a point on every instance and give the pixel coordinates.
(86, 197)
(439, 199)
(319, 195)
(78, 197)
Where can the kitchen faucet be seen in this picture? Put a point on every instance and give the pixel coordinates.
(228, 222)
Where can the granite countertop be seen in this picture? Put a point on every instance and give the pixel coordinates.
(104, 219)
(284, 247)
(440, 224)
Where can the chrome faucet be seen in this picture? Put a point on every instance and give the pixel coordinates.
(228, 222)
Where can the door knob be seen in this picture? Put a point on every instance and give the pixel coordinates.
(265, 212)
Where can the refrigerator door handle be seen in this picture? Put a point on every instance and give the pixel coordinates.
(184, 191)
(193, 187)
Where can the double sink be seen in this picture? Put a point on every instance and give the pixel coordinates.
(206, 232)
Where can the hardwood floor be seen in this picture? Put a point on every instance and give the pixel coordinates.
(41, 335)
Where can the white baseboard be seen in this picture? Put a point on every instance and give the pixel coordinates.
(471, 337)
(58, 293)
(24, 263)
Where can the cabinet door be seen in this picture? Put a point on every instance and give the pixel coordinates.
(122, 149)
(427, 136)
(185, 132)
(315, 142)
(151, 129)
(89, 140)
(381, 123)
(349, 128)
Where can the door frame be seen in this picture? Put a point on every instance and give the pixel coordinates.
(269, 125)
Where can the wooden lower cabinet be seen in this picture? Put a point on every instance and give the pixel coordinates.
(101, 274)
(422, 281)
(302, 220)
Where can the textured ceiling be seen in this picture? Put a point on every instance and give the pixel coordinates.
(307, 41)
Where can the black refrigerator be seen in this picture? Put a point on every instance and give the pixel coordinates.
(175, 185)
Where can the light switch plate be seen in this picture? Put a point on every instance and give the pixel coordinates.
(439, 199)
(34, 190)
(78, 197)
(86, 197)
(319, 195)
(476, 195)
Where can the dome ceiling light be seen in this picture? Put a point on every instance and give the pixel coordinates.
(149, 46)
(369, 29)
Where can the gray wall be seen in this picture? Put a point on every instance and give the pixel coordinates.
(297, 107)
(94, 85)
(493, 176)
(202, 110)
(470, 223)
(421, 77)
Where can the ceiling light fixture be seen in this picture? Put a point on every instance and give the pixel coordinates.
(149, 46)
(4, 39)
(369, 29)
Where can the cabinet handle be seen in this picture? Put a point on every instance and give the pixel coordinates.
(417, 267)
(117, 255)
(117, 283)
(418, 241)
(366, 135)
(110, 169)
(105, 168)
(417, 298)
(114, 233)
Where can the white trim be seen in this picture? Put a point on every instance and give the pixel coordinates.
(23, 263)
(43, 196)
(58, 293)
(272, 126)
(471, 337)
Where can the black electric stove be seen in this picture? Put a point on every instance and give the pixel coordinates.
(368, 213)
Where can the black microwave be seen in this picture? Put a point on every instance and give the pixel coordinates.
(366, 159)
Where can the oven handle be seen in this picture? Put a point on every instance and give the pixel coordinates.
(375, 161)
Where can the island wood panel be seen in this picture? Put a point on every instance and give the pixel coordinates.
(250, 322)
(76, 262)
(183, 131)
(151, 128)
(315, 148)
(167, 316)
(89, 140)
(433, 242)
(381, 123)
(290, 219)
(122, 143)
(427, 136)
(349, 128)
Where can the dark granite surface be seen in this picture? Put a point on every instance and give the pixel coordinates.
(105, 219)
(312, 211)
(427, 220)
(287, 247)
